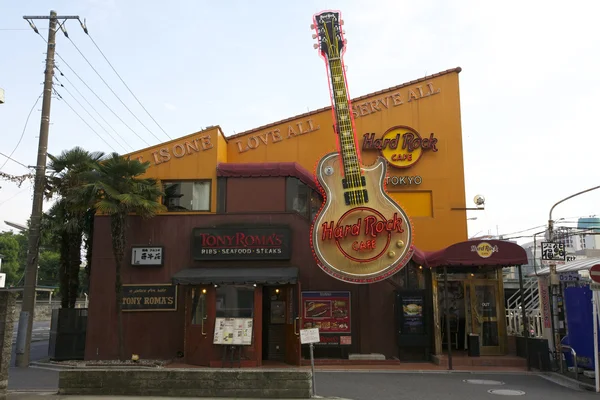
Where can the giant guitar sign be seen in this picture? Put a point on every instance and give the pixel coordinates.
(360, 235)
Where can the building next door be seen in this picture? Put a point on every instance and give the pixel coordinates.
(485, 314)
(199, 324)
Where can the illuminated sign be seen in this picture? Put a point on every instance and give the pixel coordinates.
(401, 146)
(360, 235)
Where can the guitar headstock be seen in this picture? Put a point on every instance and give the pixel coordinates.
(329, 34)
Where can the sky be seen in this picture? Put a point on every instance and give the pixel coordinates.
(529, 85)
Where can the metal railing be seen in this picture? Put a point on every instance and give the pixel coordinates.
(514, 322)
(530, 295)
(574, 354)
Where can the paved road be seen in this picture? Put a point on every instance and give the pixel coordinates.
(39, 332)
(434, 386)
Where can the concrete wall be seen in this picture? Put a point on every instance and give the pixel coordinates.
(263, 384)
(7, 304)
(43, 309)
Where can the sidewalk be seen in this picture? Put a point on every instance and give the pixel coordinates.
(53, 396)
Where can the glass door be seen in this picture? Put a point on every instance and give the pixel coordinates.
(484, 311)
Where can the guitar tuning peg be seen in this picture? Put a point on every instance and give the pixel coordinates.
(314, 36)
(343, 32)
(312, 26)
(345, 41)
(316, 45)
(341, 22)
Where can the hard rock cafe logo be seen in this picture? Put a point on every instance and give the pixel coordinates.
(362, 234)
(484, 249)
(401, 146)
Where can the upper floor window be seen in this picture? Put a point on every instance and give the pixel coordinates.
(187, 195)
(301, 198)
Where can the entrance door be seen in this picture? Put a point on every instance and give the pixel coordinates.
(292, 325)
(199, 325)
(484, 312)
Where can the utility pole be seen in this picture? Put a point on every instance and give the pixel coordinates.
(29, 289)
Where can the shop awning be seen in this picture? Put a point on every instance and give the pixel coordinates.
(236, 276)
(571, 266)
(273, 169)
(497, 253)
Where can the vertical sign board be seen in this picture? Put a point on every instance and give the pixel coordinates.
(553, 253)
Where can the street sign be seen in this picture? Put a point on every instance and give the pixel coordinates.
(309, 336)
(595, 273)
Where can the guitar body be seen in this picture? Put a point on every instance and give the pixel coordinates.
(359, 243)
(360, 235)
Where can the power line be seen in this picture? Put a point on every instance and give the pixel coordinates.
(84, 121)
(15, 195)
(24, 128)
(110, 88)
(113, 68)
(84, 109)
(98, 97)
(12, 159)
(92, 107)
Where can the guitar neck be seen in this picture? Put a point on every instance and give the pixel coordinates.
(343, 120)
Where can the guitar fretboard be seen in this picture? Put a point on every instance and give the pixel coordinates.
(345, 130)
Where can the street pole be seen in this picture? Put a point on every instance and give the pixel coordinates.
(555, 283)
(29, 289)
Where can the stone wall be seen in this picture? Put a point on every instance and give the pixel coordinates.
(43, 309)
(256, 384)
(7, 305)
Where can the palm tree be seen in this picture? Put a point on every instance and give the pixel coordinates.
(122, 191)
(67, 218)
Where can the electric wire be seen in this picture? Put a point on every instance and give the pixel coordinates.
(123, 81)
(98, 97)
(15, 195)
(91, 106)
(84, 109)
(84, 121)
(13, 160)
(24, 128)
(110, 88)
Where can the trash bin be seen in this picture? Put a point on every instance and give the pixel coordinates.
(473, 344)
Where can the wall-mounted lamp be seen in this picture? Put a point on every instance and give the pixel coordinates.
(277, 291)
(216, 285)
(254, 285)
(420, 267)
(203, 291)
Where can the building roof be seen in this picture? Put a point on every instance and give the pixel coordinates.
(273, 169)
(317, 111)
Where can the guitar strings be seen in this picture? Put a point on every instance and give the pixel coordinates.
(346, 134)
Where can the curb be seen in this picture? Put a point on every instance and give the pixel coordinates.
(567, 382)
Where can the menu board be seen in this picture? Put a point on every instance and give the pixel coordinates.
(233, 331)
(328, 311)
(412, 313)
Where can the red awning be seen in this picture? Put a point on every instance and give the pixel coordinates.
(251, 170)
(474, 253)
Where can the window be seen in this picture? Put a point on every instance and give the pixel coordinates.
(297, 196)
(198, 306)
(187, 195)
(235, 301)
(301, 198)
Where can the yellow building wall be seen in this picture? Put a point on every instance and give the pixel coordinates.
(192, 157)
(427, 106)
